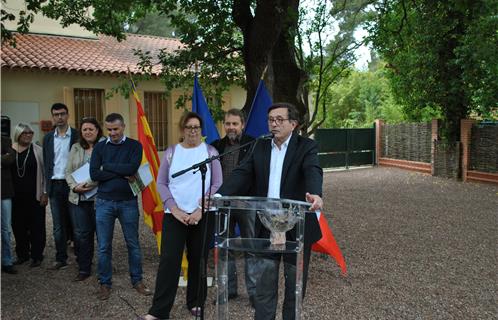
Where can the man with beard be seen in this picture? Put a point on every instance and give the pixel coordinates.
(234, 124)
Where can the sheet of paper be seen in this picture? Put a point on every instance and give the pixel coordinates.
(81, 175)
(145, 174)
(143, 178)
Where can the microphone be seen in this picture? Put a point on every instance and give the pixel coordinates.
(266, 136)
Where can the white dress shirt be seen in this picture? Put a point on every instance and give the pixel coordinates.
(61, 153)
(123, 139)
(276, 165)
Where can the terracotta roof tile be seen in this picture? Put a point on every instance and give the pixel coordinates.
(104, 54)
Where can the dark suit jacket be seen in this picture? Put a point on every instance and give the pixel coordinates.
(301, 173)
(220, 145)
(48, 155)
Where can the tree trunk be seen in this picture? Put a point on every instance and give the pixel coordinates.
(269, 42)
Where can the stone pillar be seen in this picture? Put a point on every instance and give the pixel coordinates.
(465, 138)
(378, 139)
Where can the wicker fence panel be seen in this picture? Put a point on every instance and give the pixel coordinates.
(484, 148)
(407, 141)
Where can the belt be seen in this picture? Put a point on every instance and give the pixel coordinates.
(59, 181)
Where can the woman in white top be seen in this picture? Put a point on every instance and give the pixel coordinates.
(183, 222)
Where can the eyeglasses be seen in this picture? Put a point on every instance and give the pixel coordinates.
(27, 132)
(59, 114)
(277, 120)
(193, 128)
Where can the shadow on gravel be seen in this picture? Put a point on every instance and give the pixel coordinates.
(416, 246)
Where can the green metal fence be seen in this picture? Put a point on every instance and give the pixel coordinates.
(346, 147)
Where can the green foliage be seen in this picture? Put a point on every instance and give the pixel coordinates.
(326, 46)
(441, 57)
(155, 24)
(357, 100)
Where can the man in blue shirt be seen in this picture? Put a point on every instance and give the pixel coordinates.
(113, 164)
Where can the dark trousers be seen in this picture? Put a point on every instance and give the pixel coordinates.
(266, 298)
(245, 219)
(28, 225)
(175, 236)
(83, 216)
(59, 205)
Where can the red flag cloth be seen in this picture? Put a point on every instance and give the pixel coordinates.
(327, 243)
(151, 201)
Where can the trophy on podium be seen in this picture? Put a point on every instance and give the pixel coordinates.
(279, 216)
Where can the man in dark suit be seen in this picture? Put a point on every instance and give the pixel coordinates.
(234, 123)
(56, 146)
(286, 167)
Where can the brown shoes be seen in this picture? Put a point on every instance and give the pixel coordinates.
(142, 289)
(104, 292)
(81, 277)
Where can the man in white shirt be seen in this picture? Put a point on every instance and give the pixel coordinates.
(286, 167)
(56, 146)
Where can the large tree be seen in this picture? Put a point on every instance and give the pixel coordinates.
(441, 55)
(326, 47)
(229, 41)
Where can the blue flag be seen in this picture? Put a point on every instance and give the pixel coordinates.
(257, 123)
(199, 106)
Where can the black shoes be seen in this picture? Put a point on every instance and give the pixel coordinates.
(35, 263)
(9, 269)
(20, 261)
(59, 266)
(251, 301)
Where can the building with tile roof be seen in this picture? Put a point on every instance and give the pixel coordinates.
(103, 54)
(81, 70)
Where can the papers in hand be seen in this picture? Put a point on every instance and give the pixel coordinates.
(82, 175)
(143, 178)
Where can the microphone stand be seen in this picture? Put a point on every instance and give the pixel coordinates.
(202, 166)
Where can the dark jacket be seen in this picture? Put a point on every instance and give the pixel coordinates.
(48, 155)
(301, 173)
(220, 145)
(8, 160)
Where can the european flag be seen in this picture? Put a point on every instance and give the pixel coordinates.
(199, 106)
(257, 123)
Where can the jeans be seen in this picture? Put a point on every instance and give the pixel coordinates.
(83, 217)
(126, 211)
(6, 225)
(59, 205)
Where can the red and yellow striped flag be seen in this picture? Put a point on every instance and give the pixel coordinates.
(151, 201)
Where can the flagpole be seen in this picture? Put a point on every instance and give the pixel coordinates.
(257, 91)
(264, 72)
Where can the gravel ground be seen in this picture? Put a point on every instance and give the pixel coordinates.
(416, 246)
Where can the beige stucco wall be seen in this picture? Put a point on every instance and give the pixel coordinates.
(43, 24)
(45, 88)
(237, 96)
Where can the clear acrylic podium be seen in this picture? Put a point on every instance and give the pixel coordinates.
(278, 216)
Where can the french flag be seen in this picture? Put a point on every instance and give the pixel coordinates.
(327, 243)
